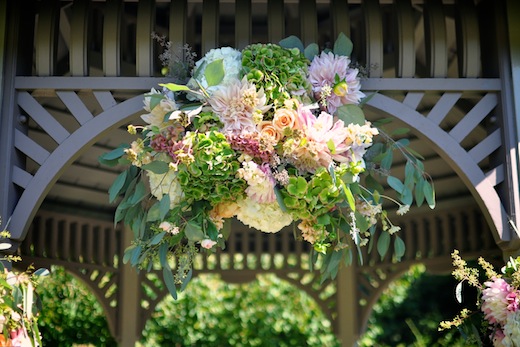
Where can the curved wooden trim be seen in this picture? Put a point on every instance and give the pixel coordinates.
(462, 163)
(62, 157)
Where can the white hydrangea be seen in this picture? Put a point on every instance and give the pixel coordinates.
(156, 116)
(232, 60)
(167, 183)
(268, 218)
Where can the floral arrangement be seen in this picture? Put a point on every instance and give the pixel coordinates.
(18, 302)
(497, 321)
(270, 135)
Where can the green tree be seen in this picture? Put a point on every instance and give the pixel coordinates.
(408, 313)
(70, 313)
(266, 312)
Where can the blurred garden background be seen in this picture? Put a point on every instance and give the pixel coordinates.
(265, 312)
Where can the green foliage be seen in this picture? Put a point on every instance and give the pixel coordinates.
(70, 313)
(266, 312)
(409, 311)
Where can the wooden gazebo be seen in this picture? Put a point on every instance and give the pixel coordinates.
(73, 74)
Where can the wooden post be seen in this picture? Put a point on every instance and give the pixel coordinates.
(129, 288)
(347, 322)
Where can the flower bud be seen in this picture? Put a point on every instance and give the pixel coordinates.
(341, 88)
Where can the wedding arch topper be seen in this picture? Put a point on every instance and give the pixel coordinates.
(272, 135)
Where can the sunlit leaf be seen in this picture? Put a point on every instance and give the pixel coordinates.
(174, 87)
(214, 72)
(351, 114)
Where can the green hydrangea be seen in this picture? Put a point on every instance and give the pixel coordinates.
(281, 72)
(211, 175)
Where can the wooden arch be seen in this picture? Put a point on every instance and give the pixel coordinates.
(92, 60)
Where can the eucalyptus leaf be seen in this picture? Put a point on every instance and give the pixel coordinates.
(383, 243)
(163, 254)
(292, 42)
(386, 162)
(395, 183)
(214, 72)
(139, 193)
(116, 153)
(41, 272)
(164, 206)
(186, 280)
(154, 212)
(399, 248)
(169, 281)
(311, 51)
(157, 238)
(429, 194)
(158, 167)
(419, 192)
(343, 45)
(116, 186)
(193, 231)
(351, 114)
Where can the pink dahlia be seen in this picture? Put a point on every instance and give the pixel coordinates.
(334, 82)
(260, 182)
(320, 140)
(239, 106)
(495, 300)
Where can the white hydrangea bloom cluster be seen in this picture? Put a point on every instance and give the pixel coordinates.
(268, 218)
(232, 60)
(167, 183)
(512, 330)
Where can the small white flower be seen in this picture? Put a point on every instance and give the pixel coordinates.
(403, 209)
(207, 243)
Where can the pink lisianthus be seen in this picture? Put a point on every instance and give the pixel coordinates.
(495, 303)
(334, 82)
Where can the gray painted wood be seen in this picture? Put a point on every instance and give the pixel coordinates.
(435, 39)
(145, 53)
(42, 117)
(79, 38)
(243, 22)
(112, 38)
(47, 38)
(275, 20)
(210, 25)
(404, 33)
(373, 37)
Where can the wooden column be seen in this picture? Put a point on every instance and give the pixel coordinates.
(128, 303)
(347, 326)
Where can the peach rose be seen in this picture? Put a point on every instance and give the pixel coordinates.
(284, 118)
(267, 129)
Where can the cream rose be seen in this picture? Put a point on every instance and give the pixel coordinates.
(284, 118)
(267, 128)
